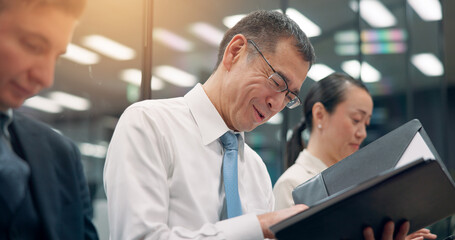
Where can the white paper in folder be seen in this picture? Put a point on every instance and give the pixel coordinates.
(417, 149)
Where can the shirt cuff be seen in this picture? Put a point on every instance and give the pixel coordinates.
(245, 227)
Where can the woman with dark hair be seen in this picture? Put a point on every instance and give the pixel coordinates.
(336, 112)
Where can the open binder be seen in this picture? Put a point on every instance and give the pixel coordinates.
(397, 177)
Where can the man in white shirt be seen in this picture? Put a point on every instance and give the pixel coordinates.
(163, 173)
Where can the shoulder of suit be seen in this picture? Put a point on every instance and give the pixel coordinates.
(34, 126)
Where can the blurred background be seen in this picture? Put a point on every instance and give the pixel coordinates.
(402, 49)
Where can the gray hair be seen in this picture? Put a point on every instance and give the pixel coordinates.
(266, 28)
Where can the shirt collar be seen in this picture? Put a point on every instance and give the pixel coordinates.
(209, 121)
(311, 162)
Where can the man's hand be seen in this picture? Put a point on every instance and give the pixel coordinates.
(269, 219)
(387, 233)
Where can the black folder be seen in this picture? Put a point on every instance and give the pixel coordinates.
(387, 179)
(420, 191)
(407, 143)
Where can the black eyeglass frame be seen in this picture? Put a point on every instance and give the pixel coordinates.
(293, 102)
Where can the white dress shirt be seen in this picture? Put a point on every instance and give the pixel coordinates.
(163, 174)
(305, 167)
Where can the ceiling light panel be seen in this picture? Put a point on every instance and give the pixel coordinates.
(175, 76)
(428, 64)
(93, 150)
(134, 76)
(383, 35)
(428, 10)
(109, 47)
(80, 55)
(383, 48)
(374, 13)
(351, 67)
(371, 35)
(172, 40)
(208, 33)
(230, 21)
(369, 73)
(347, 36)
(309, 27)
(70, 101)
(43, 104)
(319, 71)
(347, 49)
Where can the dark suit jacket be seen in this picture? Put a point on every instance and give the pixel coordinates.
(57, 181)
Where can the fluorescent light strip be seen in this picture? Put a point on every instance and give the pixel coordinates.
(230, 21)
(157, 84)
(428, 10)
(92, 150)
(319, 71)
(70, 101)
(207, 32)
(370, 48)
(374, 13)
(43, 104)
(109, 48)
(347, 36)
(172, 40)
(369, 73)
(175, 76)
(134, 76)
(307, 26)
(80, 55)
(349, 49)
(383, 48)
(428, 64)
(383, 35)
(371, 35)
(351, 67)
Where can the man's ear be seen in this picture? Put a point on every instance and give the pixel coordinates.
(236, 47)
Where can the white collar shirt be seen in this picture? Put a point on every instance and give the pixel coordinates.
(163, 179)
(305, 167)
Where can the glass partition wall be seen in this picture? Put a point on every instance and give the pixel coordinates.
(399, 54)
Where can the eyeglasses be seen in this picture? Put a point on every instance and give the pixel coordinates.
(278, 84)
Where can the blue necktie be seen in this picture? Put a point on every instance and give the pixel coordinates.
(14, 173)
(234, 207)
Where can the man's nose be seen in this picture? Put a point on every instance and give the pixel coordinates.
(276, 101)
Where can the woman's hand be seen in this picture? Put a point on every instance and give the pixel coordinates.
(421, 234)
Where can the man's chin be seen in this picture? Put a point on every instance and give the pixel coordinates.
(251, 128)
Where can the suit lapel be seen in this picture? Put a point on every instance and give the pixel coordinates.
(43, 180)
